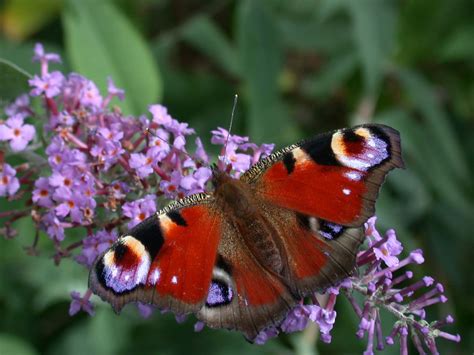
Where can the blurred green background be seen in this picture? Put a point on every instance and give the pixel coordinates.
(300, 67)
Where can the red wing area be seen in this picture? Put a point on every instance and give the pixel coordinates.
(167, 260)
(183, 267)
(244, 295)
(315, 190)
(254, 284)
(335, 176)
(314, 262)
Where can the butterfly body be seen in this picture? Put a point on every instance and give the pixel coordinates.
(244, 255)
(244, 212)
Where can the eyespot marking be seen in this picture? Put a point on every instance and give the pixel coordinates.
(124, 266)
(289, 161)
(177, 218)
(220, 294)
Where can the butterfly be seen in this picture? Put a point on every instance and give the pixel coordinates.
(244, 255)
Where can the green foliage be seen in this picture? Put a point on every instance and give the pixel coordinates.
(299, 67)
(14, 81)
(101, 43)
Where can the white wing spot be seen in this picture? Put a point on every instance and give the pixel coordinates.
(346, 191)
(174, 280)
(155, 276)
(353, 175)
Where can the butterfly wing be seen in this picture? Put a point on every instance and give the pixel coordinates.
(335, 176)
(318, 254)
(189, 258)
(244, 296)
(167, 260)
(318, 193)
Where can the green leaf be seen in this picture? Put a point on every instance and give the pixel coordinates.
(12, 345)
(14, 81)
(331, 77)
(374, 34)
(261, 55)
(422, 96)
(203, 34)
(101, 43)
(105, 333)
(460, 46)
(315, 34)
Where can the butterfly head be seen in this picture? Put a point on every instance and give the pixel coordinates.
(219, 175)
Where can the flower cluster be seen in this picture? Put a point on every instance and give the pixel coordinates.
(105, 171)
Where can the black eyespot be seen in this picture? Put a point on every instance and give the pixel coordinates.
(330, 230)
(303, 220)
(120, 250)
(149, 234)
(177, 218)
(351, 136)
(319, 149)
(222, 264)
(219, 294)
(289, 162)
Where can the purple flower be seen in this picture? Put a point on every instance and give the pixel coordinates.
(163, 119)
(221, 135)
(53, 226)
(17, 133)
(158, 144)
(160, 115)
(388, 250)
(94, 245)
(108, 147)
(9, 184)
(143, 164)
(113, 91)
(49, 84)
(62, 179)
(265, 335)
(70, 203)
(42, 193)
(42, 56)
(64, 118)
(370, 231)
(139, 210)
(297, 319)
(240, 162)
(258, 151)
(20, 107)
(81, 303)
(325, 319)
(195, 182)
(90, 95)
(145, 310)
(200, 153)
(171, 187)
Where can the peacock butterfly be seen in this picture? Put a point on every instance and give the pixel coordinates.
(244, 255)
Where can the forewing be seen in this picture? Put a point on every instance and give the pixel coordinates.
(335, 176)
(165, 261)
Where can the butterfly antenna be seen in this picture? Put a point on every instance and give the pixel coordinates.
(236, 98)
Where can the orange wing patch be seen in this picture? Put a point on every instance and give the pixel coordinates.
(183, 267)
